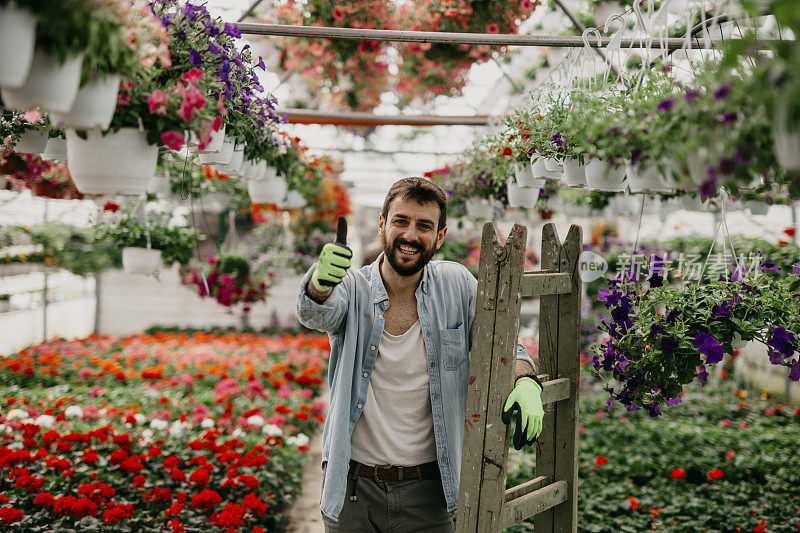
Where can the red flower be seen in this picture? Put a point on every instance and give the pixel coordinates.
(600, 461)
(730, 454)
(172, 139)
(90, 456)
(131, 465)
(114, 513)
(111, 206)
(138, 481)
(171, 462)
(205, 499)
(176, 526)
(789, 231)
(492, 28)
(44, 498)
(677, 473)
(634, 502)
(251, 482)
(200, 476)
(178, 474)
(507, 151)
(117, 456)
(338, 13)
(10, 515)
(715, 474)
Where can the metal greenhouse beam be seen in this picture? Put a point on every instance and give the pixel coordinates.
(310, 116)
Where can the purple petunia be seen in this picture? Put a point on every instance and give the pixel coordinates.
(722, 309)
(702, 375)
(232, 30)
(796, 269)
(666, 105)
(708, 345)
(770, 267)
(669, 345)
(794, 375)
(261, 63)
(739, 272)
(653, 409)
(674, 401)
(195, 58)
(691, 95)
(656, 281)
(722, 92)
(782, 341)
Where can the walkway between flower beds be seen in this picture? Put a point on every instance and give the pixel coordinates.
(304, 516)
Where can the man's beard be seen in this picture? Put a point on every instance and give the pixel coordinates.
(407, 269)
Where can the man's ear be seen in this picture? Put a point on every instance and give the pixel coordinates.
(440, 237)
(381, 224)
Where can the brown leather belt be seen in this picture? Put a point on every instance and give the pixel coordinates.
(383, 473)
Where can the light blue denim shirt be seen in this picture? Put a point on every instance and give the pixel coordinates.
(353, 318)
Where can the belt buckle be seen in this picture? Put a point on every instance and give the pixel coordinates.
(375, 473)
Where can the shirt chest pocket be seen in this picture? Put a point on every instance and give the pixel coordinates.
(454, 352)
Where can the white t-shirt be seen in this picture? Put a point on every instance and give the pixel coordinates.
(396, 425)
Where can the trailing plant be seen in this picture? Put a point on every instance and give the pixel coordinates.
(175, 242)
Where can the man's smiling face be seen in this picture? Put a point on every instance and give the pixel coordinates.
(409, 235)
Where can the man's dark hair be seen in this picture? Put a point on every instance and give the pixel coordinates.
(422, 191)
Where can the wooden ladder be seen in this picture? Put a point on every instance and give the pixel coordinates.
(485, 505)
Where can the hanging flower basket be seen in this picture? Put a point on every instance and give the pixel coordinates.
(51, 86)
(267, 190)
(56, 150)
(31, 142)
(552, 164)
(519, 196)
(17, 41)
(575, 173)
(600, 176)
(137, 260)
(756, 207)
(120, 162)
(222, 157)
(539, 169)
(235, 164)
(94, 105)
(648, 179)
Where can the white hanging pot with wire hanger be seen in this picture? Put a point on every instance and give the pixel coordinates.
(575, 172)
(648, 179)
(787, 140)
(50, 85)
(31, 142)
(139, 260)
(94, 105)
(56, 150)
(519, 196)
(601, 176)
(222, 156)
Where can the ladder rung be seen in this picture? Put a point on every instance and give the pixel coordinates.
(533, 503)
(543, 283)
(525, 488)
(555, 390)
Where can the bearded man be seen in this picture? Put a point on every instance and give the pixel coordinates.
(400, 330)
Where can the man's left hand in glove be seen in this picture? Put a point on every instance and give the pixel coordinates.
(524, 405)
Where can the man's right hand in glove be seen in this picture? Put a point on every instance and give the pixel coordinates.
(333, 264)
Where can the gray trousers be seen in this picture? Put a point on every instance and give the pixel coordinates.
(410, 505)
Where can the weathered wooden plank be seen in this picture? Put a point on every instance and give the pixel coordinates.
(478, 387)
(501, 379)
(565, 515)
(534, 503)
(556, 390)
(548, 346)
(535, 284)
(525, 488)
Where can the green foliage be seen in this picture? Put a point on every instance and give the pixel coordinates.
(74, 248)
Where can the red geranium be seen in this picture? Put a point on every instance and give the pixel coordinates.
(677, 473)
(205, 499)
(10, 515)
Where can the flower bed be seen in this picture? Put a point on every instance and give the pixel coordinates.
(719, 461)
(163, 432)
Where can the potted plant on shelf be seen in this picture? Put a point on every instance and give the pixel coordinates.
(146, 246)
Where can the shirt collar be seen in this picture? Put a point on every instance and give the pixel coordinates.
(379, 291)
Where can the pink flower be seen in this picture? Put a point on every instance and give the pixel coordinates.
(193, 75)
(492, 28)
(284, 392)
(33, 115)
(185, 111)
(96, 391)
(157, 102)
(172, 139)
(318, 406)
(306, 394)
(277, 420)
(187, 379)
(254, 388)
(222, 111)
(338, 13)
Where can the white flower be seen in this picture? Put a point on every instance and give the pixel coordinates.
(147, 434)
(301, 439)
(237, 433)
(73, 411)
(207, 423)
(45, 421)
(177, 428)
(19, 413)
(272, 430)
(255, 420)
(140, 418)
(159, 424)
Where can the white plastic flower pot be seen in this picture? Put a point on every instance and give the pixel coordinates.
(522, 174)
(214, 145)
(160, 185)
(625, 204)
(17, 41)
(575, 173)
(136, 260)
(5, 305)
(268, 190)
(93, 107)
(519, 196)
(540, 171)
(757, 208)
(692, 203)
(51, 86)
(221, 157)
(235, 163)
(552, 165)
(600, 176)
(270, 173)
(249, 169)
(116, 163)
(293, 200)
(647, 179)
(479, 209)
(31, 142)
(56, 150)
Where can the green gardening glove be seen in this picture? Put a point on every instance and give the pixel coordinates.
(524, 404)
(334, 260)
